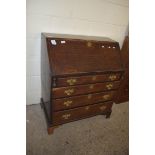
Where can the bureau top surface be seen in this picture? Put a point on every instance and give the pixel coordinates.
(75, 55)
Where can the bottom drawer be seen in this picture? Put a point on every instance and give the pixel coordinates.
(82, 112)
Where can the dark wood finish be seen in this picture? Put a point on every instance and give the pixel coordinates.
(108, 114)
(50, 130)
(81, 100)
(82, 112)
(84, 89)
(78, 80)
(80, 76)
(45, 80)
(75, 56)
(123, 93)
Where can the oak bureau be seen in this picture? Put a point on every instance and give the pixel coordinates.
(80, 76)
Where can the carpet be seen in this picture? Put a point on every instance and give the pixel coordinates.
(92, 136)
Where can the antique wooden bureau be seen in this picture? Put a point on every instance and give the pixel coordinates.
(80, 76)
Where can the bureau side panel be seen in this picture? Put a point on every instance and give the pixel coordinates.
(45, 78)
(123, 92)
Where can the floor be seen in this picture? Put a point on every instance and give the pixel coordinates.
(92, 136)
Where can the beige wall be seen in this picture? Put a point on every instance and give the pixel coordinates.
(90, 17)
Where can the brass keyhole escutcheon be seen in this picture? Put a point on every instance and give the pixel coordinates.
(68, 103)
(94, 78)
(106, 97)
(89, 44)
(91, 86)
(87, 107)
(71, 81)
(89, 96)
(103, 107)
(112, 77)
(66, 116)
(109, 86)
(69, 91)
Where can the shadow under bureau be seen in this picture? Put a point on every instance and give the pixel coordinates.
(80, 76)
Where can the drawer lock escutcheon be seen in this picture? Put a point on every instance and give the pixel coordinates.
(89, 96)
(112, 77)
(68, 103)
(106, 97)
(71, 81)
(69, 91)
(91, 86)
(66, 116)
(103, 107)
(94, 78)
(89, 44)
(109, 86)
(87, 107)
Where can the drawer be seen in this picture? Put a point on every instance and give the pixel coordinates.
(70, 81)
(79, 113)
(82, 100)
(84, 89)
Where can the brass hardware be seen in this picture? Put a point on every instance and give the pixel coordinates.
(109, 86)
(106, 96)
(69, 91)
(112, 77)
(89, 96)
(94, 78)
(89, 44)
(68, 103)
(91, 86)
(71, 81)
(66, 116)
(103, 107)
(87, 107)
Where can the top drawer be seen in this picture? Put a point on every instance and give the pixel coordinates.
(71, 81)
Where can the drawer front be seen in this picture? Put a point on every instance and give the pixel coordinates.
(84, 89)
(71, 81)
(79, 113)
(82, 100)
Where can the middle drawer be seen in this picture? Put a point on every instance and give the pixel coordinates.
(84, 89)
(82, 100)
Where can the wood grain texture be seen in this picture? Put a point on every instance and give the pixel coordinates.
(75, 56)
(84, 77)
(81, 100)
(78, 80)
(82, 112)
(84, 89)
(123, 92)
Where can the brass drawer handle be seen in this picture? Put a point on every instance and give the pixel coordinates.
(103, 107)
(87, 107)
(66, 116)
(89, 96)
(107, 96)
(71, 81)
(69, 91)
(91, 86)
(112, 77)
(68, 103)
(109, 86)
